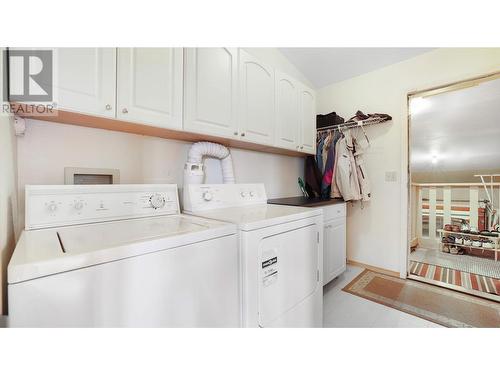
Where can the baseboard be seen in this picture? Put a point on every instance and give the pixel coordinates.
(373, 268)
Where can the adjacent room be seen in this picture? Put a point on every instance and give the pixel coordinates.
(455, 180)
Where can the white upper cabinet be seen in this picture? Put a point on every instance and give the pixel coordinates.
(287, 112)
(307, 117)
(149, 86)
(85, 80)
(256, 101)
(222, 92)
(210, 91)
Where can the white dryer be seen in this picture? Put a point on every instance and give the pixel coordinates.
(281, 250)
(121, 256)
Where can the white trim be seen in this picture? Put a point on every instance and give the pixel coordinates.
(473, 206)
(432, 213)
(447, 205)
(405, 192)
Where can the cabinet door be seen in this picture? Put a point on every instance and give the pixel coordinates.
(287, 119)
(307, 116)
(210, 91)
(150, 86)
(256, 100)
(334, 245)
(85, 80)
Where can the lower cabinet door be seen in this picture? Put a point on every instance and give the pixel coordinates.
(334, 249)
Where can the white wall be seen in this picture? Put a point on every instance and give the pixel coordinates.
(376, 233)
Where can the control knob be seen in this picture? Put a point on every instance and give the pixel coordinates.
(157, 201)
(207, 196)
(52, 207)
(78, 205)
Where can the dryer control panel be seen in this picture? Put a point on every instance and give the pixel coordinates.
(60, 205)
(212, 196)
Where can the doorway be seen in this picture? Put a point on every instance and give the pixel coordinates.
(454, 159)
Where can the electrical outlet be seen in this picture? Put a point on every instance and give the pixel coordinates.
(391, 176)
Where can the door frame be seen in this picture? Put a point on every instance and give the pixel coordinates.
(406, 166)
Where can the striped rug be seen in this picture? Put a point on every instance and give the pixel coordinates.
(464, 279)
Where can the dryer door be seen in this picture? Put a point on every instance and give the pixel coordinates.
(288, 275)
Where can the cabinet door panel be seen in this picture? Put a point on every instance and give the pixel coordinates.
(287, 119)
(85, 80)
(334, 255)
(150, 86)
(256, 100)
(210, 91)
(307, 115)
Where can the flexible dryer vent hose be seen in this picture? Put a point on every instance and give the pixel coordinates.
(194, 169)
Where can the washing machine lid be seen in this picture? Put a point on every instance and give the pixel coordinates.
(260, 216)
(44, 252)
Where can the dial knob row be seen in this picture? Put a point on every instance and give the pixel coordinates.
(157, 201)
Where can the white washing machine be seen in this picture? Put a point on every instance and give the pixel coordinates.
(121, 256)
(281, 251)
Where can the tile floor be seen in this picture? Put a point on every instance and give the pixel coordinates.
(344, 310)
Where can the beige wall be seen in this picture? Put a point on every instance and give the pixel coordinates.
(376, 232)
(47, 148)
(8, 202)
(8, 196)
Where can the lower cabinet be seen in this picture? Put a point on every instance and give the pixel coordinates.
(334, 242)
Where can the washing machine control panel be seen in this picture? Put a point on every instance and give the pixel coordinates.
(59, 205)
(212, 196)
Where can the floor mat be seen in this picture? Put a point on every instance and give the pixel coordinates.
(466, 280)
(436, 304)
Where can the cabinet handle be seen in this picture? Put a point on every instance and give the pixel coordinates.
(108, 107)
(301, 147)
(124, 110)
(242, 134)
(235, 133)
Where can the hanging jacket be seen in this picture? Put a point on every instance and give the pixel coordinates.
(347, 175)
(319, 153)
(312, 177)
(326, 182)
(364, 182)
(335, 191)
(326, 147)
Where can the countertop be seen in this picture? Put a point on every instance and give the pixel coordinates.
(305, 202)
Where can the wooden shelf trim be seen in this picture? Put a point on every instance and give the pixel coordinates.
(89, 121)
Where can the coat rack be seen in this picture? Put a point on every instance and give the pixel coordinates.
(353, 124)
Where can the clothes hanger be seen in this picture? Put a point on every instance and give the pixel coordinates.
(360, 123)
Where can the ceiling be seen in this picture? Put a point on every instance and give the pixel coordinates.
(457, 131)
(324, 66)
